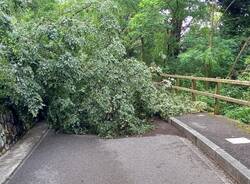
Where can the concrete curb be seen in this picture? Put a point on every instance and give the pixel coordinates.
(229, 164)
(21, 151)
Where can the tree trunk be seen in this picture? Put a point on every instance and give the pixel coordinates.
(142, 49)
(176, 35)
(232, 70)
(173, 44)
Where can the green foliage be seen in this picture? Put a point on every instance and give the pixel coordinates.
(242, 114)
(16, 79)
(200, 106)
(194, 38)
(198, 55)
(89, 86)
(71, 61)
(236, 19)
(168, 104)
(155, 30)
(72, 67)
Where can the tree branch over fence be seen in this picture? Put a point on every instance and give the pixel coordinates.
(238, 58)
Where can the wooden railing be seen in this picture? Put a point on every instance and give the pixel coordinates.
(217, 96)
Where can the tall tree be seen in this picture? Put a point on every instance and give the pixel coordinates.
(159, 26)
(236, 19)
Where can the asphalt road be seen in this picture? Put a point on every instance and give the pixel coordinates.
(218, 129)
(161, 159)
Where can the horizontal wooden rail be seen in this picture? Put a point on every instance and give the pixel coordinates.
(225, 81)
(225, 98)
(217, 96)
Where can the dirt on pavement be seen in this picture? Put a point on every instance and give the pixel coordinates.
(162, 127)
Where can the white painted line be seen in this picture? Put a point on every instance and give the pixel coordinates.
(200, 115)
(241, 140)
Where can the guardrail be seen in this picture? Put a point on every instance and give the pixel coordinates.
(215, 95)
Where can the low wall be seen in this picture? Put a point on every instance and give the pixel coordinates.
(10, 130)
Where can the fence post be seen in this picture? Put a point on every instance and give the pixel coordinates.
(217, 103)
(193, 88)
(177, 84)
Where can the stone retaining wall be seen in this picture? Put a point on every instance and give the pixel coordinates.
(9, 130)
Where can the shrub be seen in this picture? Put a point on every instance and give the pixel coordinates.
(242, 114)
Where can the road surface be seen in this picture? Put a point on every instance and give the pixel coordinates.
(160, 159)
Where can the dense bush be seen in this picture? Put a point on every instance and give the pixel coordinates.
(241, 113)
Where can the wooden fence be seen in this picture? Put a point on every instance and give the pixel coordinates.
(217, 96)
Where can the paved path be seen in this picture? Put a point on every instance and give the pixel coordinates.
(218, 129)
(161, 159)
(18, 152)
